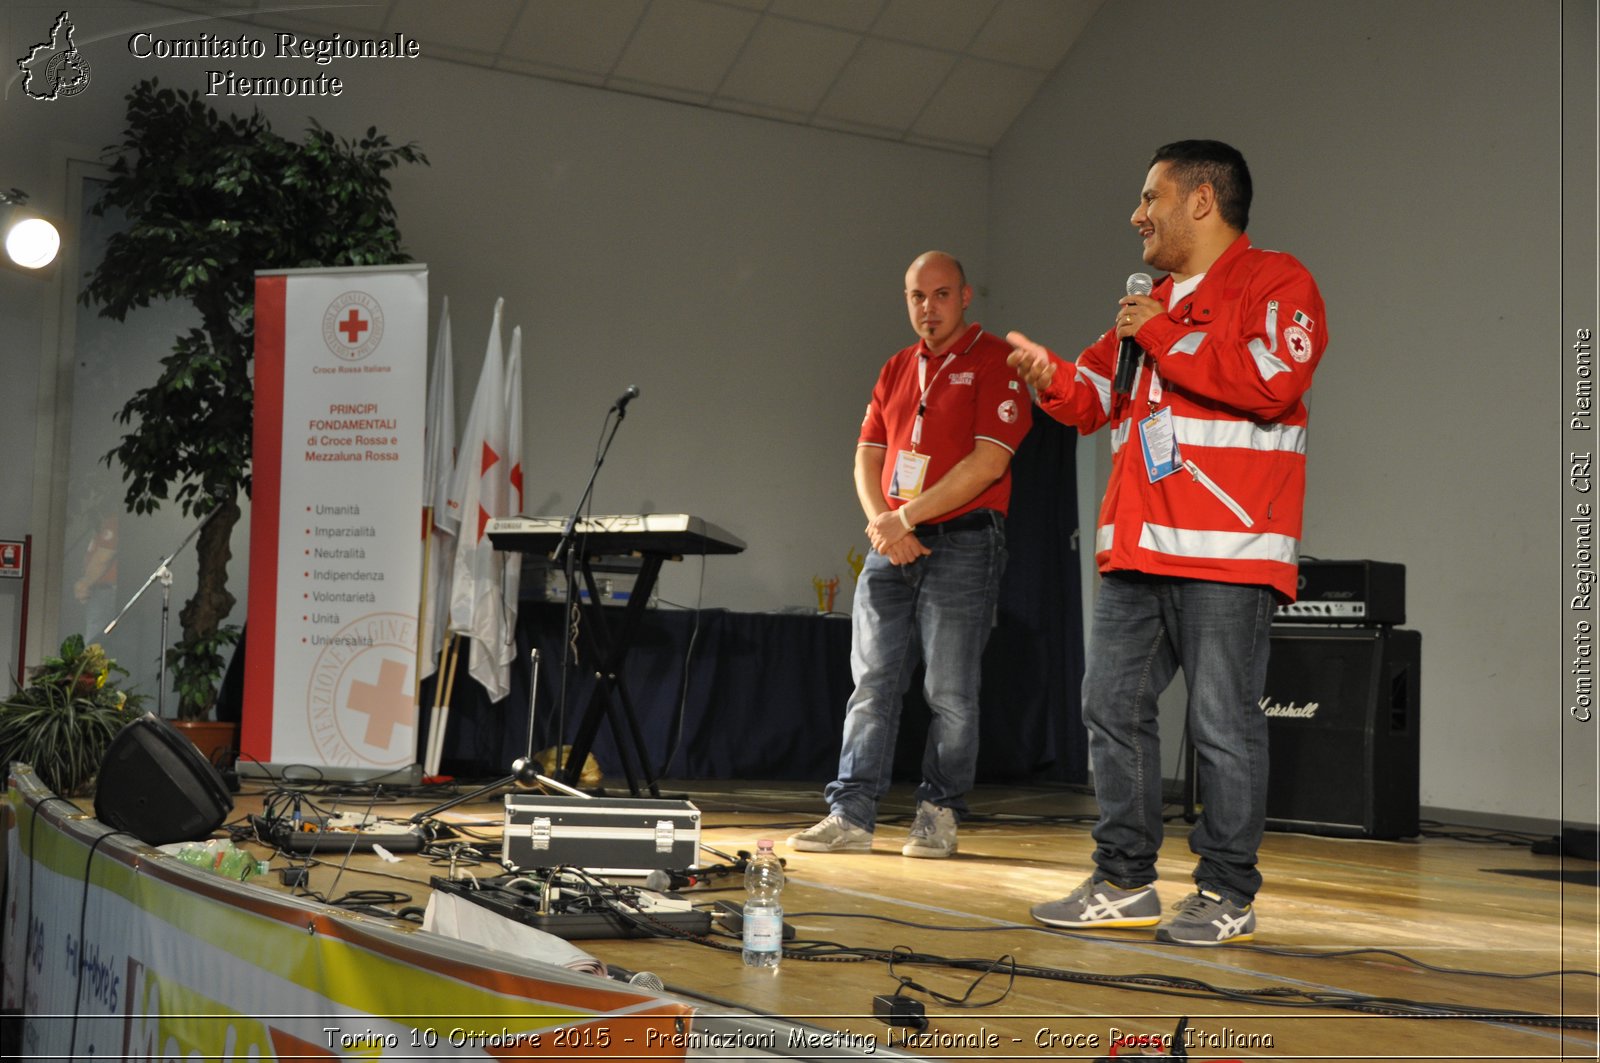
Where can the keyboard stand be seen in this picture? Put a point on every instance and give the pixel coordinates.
(655, 537)
(607, 647)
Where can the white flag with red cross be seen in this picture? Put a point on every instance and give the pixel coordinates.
(513, 564)
(480, 492)
(439, 456)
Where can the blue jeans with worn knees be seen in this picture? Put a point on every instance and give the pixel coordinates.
(1145, 628)
(936, 610)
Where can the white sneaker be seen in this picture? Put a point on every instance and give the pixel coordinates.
(835, 834)
(933, 832)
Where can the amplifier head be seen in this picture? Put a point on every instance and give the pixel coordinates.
(1348, 592)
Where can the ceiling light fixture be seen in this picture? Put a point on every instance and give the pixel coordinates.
(31, 242)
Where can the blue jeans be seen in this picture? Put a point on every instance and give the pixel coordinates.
(936, 610)
(1145, 628)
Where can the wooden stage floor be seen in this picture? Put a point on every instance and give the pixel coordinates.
(1457, 923)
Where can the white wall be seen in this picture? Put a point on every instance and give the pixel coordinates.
(1409, 154)
(746, 275)
(20, 344)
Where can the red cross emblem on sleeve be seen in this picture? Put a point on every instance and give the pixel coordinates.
(1299, 342)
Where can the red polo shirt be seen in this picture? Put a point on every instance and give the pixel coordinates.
(971, 395)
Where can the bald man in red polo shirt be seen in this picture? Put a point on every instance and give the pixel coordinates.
(933, 475)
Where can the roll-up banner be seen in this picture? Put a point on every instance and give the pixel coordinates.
(335, 554)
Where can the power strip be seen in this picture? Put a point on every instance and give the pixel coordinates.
(667, 917)
(316, 836)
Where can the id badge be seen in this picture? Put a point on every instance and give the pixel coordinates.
(909, 470)
(1160, 445)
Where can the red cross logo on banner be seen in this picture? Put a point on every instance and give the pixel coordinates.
(353, 326)
(385, 703)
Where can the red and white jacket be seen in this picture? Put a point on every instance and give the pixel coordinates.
(1232, 360)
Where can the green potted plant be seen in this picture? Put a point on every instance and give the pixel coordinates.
(197, 665)
(62, 721)
(209, 199)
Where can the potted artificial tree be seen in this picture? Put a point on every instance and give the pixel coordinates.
(63, 720)
(208, 200)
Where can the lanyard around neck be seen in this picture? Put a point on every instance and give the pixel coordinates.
(922, 400)
(927, 385)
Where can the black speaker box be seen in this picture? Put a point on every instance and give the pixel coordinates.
(1342, 715)
(155, 785)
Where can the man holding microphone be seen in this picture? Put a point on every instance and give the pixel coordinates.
(1198, 535)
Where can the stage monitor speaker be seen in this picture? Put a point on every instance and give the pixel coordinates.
(1342, 715)
(155, 785)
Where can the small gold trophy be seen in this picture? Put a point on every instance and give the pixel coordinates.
(826, 590)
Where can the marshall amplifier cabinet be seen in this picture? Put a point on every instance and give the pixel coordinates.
(1342, 716)
(1348, 592)
(606, 835)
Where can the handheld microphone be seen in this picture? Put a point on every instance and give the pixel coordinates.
(621, 405)
(666, 881)
(647, 980)
(1129, 354)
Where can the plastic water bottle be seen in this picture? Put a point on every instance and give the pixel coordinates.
(219, 856)
(763, 908)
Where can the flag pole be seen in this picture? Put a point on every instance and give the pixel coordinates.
(438, 475)
(422, 593)
(442, 689)
(424, 647)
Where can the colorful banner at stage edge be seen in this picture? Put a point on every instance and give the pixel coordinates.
(113, 950)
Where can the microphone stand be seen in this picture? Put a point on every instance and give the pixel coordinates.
(565, 556)
(569, 533)
(163, 573)
(524, 771)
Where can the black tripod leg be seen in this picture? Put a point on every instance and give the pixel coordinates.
(638, 745)
(583, 741)
(584, 645)
(617, 714)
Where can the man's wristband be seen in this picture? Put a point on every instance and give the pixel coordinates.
(904, 520)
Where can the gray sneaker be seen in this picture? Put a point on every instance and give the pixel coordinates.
(933, 832)
(835, 834)
(1101, 904)
(1207, 918)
